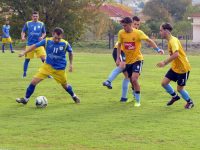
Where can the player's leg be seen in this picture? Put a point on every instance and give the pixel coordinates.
(170, 76)
(125, 83)
(10, 44)
(136, 92)
(116, 71)
(3, 47)
(184, 94)
(25, 68)
(61, 77)
(29, 91)
(134, 71)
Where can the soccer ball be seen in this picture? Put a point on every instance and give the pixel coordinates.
(41, 102)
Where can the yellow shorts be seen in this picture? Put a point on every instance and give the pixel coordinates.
(6, 40)
(59, 75)
(38, 52)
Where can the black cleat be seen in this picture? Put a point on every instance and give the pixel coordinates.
(189, 105)
(123, 99)
(174, 99)
(107, 84)
(21, 100)
(12, 51)
(76, 99)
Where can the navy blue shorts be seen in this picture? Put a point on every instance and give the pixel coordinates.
(176, 77)
(122, 56)
(135, 67)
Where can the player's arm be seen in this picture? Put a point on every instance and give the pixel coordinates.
(23, 33)
(43, 33)
(155, 47)
(168, 60)
(118, 53)
(32, 47)
(70, 54)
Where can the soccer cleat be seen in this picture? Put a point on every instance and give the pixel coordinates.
(76, 99)
(12, 51)
(107, 84)
(174, 99)
(24, 75)
(123, 99)
(189, 105)
(3, 51)
(21, 100)
(137, 104)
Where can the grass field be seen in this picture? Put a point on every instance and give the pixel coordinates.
(100, 122)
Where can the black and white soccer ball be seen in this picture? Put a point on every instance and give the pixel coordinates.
(41, 102)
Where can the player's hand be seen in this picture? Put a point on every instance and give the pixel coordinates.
(70, 68)
(161, 64)
(40, 38)
(161, 52)
(23, 39)
(22, 54)
(117, 61)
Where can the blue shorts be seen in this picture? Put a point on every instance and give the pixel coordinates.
(176, 77)
(122, 56)
(135, 67)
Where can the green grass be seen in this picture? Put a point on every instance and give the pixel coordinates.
(100, 122)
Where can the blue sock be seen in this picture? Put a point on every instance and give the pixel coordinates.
(11, 48)
(69, 90)
(169, 90)
(114, 74)
(185, 95)
(30, 90)
(137, 96)
(26, 62)
(3, 47)
(125, 87)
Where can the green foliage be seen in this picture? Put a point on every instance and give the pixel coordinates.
(182, 28)
(72, 16)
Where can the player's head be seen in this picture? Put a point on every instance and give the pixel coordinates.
(127, 24)
(57, 34)
(35, 16)
(136, 22)
(165, 30)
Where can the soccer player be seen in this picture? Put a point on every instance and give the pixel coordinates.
(55, 64)
(180, 67)
(6, 37)
(130, 42)
(121, 67)
(35, 30)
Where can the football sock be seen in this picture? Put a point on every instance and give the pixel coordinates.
(125, 87)
(137, 96)
(69, 90)
(114, 73)
(26, 62)
(185, 95)
(3, 47)
(29, 91)
(169, 90)
(11, 48)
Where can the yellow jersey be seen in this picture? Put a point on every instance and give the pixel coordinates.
(181, 63)
(131, 44)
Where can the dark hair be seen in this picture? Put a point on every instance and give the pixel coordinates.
(126, 20)
(35, 13)
(136, 18)
(167, 26)
(58, 30)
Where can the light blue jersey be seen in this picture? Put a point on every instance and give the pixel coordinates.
(34, 31)
(56, 52)
(6, 31)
